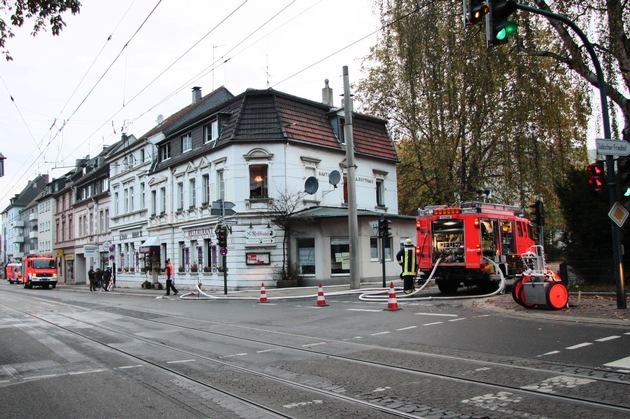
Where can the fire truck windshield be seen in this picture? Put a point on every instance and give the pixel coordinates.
(43, 263)
(448, 240)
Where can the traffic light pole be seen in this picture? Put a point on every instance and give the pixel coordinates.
(610, 164)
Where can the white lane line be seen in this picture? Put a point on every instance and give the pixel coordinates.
(406, 328)
(457, 319)
(379, 333)
(607, 338)
(436, 314)
(432, 324)
(623, 363)
(550, 353)
(129, 366)
(233, 355)
(181, 361)
(579, 345)
(367, 310)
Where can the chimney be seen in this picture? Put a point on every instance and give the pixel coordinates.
(196, 94)
(327, 95)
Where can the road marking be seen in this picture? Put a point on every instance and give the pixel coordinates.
(180, 361)
(623, 363)
(579, 345)
(129, 366)
(379, 333)
(457, 319)
(364, 310)
(230, 356)
(432, 324)
(550, 353)
(406, 328)
(435, 314)
(606, 339)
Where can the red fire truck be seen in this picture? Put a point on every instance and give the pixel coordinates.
(465, 238)
(39, 270)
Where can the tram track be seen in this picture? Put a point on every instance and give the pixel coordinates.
(319, 351)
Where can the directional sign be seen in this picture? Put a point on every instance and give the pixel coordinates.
(226, 204)
(618, 214)
(228, 211)
(613, 147)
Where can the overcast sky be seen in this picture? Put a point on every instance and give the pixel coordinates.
(74, 93)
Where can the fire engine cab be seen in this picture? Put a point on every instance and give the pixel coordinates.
(463, 240)
(39, 270)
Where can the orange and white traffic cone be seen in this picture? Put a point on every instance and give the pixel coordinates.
(321, 300)
(392, 304)
(263, 294)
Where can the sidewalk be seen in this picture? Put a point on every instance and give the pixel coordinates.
(584, 308)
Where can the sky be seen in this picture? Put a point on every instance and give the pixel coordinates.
(120, 64)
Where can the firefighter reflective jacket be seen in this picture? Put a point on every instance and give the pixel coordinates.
(407, 258)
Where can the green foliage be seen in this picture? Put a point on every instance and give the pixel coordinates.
(466, 118)
(42, 12)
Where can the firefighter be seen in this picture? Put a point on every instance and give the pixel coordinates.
(407, 259)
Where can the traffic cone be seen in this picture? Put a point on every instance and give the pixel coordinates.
(321, 300)
(392, 304)
(263, 294)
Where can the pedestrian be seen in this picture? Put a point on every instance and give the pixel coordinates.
(99, 278)
(92, 278)
(407, 259)
(169, 278)
(107, 277)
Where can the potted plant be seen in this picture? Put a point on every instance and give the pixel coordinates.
(287, 277)
(181, 269)
(194, 268)
(207, 269)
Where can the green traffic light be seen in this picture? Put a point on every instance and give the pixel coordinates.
(627, 192)
(509, 29)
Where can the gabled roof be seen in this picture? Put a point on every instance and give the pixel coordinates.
(190, 112)
(270, 116)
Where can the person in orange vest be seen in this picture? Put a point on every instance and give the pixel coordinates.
(169, 278)
(407, 259)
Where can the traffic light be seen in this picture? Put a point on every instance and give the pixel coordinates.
(537, 213)
(383, 227)
(474, 11)
(222, 233)
(623, 173)
(597, 178)
(498, 27)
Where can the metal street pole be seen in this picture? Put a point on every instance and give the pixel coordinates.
(353, 224)
(610, 164)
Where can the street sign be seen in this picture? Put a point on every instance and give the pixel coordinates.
(223, 251)
(226, 204)
(618, 214)
(374, 226)
(613, 147)
(228, 211)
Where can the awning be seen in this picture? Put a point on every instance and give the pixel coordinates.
(149, 243)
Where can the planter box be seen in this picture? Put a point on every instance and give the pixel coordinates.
(287, 283)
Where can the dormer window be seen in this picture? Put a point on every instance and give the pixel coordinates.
(186, 142)
(165, 151)
(211, 132)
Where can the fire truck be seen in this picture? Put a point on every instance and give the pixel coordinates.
(13, 272)
(38, 270)
(464, 240)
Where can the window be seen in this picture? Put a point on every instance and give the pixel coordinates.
(165, 152)
(375, 249)
(106, 220)
(153, 202)
(142, 155)
(306, 256)
(339, 256)
(142, 195)
(125, 201)
(345, 190)
(180, 196)
(211, 131)
(192, 193)
(205, 189)
(70, 228)
(186, 142)
(220, 185)
(258, 181)
(101, 221)
(116, 203)
(131, 207)
(163, 200)
(380, 193)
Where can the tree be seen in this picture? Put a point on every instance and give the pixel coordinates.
(42, 12)
(466, 118)
(607, 23)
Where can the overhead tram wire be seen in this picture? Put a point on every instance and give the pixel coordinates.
(27, 171)
(158, 76)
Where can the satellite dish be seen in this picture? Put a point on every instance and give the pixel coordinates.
(311, 185)
(160, 119)
(334, 178)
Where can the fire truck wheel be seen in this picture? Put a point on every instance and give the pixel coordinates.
(516, 290)
(448, 287)
(557, 296)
